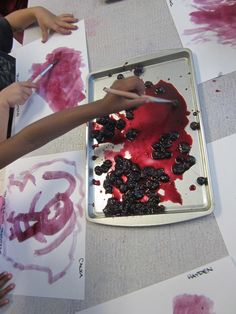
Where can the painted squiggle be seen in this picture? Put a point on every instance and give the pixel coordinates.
(59, 217)
(216, 18)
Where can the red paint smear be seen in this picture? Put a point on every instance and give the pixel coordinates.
(62, 87)
(192, 304)
(152, 121)
(215, 16)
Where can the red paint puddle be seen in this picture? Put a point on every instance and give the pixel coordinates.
(152, 121)
(62, 87)
(192, 304)
(216, 16)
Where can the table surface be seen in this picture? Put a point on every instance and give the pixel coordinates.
(122, 260)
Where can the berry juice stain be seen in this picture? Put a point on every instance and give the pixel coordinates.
(192, 187)
(216, 16)
(192, 304)
(152, 120)
(62, 87)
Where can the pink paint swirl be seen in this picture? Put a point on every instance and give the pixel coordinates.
(50, 226)
(192, 304)
(216, 17)
(62, 87)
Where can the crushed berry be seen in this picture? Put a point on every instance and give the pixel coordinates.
(195, 126)
(96, 182)
(120, 76)
(202, 181)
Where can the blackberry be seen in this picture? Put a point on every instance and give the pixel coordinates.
(103, 120)
(131, 134)
(104, 168)
(164, 178)
(195, 126)
(123, 188)
(178, 169)
(138, 70)
(184, 148)
(120, 124)
(202, 180)
(174, 136)
(160, 90)
(110, 125)
(129, 114)
(107, 163)
(120, 76)
(148, 84)
(98, 171)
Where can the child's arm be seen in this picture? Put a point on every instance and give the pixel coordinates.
(21, 19)
(47, 129)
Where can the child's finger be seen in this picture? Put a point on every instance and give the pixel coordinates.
(4, 278)
(69, 19)
(4, 302)
(6, 290)
(44, 32)
(65, 25)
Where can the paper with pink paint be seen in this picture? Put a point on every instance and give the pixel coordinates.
(208, 28)
(42, 238)
(64, 86)
(222, 154)
(209, 289)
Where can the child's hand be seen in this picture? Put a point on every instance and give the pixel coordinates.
(16, 94)
(4, 278)
(116, 103)
(47, 21)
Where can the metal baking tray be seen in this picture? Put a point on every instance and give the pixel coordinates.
(175, 67)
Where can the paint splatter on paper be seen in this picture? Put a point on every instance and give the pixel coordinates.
(192, 304)
(215, 18)
(62, 87)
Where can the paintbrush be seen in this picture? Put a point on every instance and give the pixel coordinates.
(45, 71)
(135, 96)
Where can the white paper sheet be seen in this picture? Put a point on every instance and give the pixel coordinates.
(209, 289)
(213, 42)
(45, 195)
(222, 154)
(62, 87)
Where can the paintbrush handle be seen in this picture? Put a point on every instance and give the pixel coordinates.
(37, 78)
(135, 96)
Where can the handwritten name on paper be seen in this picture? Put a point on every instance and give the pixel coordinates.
(81, 267)
(200, 273)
